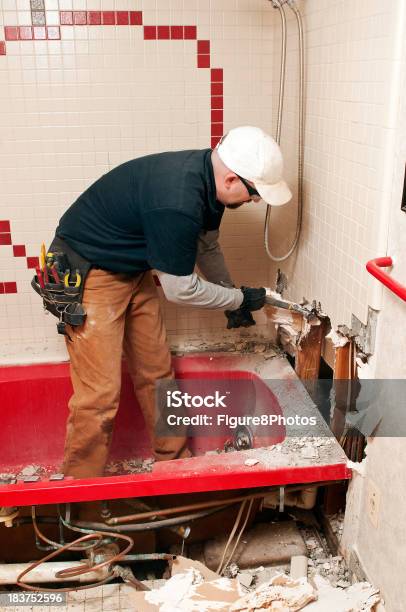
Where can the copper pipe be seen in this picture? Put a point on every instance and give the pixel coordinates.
(117, 520)
(80, 569)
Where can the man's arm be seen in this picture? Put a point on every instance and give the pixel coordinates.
(192, 290)
(210, 259)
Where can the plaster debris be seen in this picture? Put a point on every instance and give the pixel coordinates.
(130, 466)
(251, 462)
(359, 468)
(337, 339)
(30, 470)
(337, 524)
(281, 593)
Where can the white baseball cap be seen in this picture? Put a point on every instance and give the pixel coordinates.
(251, 153)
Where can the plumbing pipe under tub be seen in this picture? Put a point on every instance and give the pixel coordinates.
(46, 573)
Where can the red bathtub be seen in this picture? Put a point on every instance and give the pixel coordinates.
(34, 409)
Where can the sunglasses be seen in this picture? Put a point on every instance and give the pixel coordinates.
(251, 190)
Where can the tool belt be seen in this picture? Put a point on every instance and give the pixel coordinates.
(60, 280)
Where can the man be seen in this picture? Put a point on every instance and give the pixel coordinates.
(158, 212)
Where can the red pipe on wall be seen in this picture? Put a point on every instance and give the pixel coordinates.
(374, 267)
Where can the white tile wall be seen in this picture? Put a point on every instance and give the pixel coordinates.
(73, 108)
(350, 51)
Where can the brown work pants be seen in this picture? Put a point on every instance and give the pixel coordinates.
(122, 312)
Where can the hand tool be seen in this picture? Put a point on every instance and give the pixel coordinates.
(38, 272)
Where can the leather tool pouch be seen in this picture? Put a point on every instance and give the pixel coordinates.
(63, 299)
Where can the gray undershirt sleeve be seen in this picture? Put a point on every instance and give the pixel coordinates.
(192, 290)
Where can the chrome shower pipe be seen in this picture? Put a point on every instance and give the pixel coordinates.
(292, 5)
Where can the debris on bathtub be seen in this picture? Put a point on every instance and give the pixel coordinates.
(251, 462)
(217, 451)
(32, 472)
(130, 466)
(309, 452)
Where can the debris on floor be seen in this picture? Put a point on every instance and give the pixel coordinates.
(194, 588)
(337, 524)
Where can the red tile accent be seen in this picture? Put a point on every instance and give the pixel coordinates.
(11, 33)
(108, 18)
(18, 250)
(39, 33)
(10, 287)
(217, 102)
(66, 18)
(203, 61)
(79, 17)
(5, 226)
(203, 46)
(32, 262)
(190, 32)
(5, 239)
(53, 33)
(216, 75)
(176, 32)
(2, 47)
(217, 89)
(150, 32)
(25, 32)
(217, 116)
(94, 17)
(1, 287)
(217, 129)
(214, 141)
(163, 32)
(135, 18)
(122, 18)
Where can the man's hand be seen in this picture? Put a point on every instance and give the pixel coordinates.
(239, 318)
(254, 299)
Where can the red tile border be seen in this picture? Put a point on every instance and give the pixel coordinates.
(122, 18)
(203, 46)
(53, 33)
(176, 32)
(135, 18)
(5, 239)
(94, 17)
(150, 32)
(25, 32)
(5, 226)
(217, 129)
(216, 102)
(40, 33)
(79, 17)
(11, 32)
(108, 18)
(19, 250)
(216, 116)
(32, 262)
(66, 18)
(203, 61)
(216, 75)
(163, 33)
(216, 89)
(10, 287)
(190, 32)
